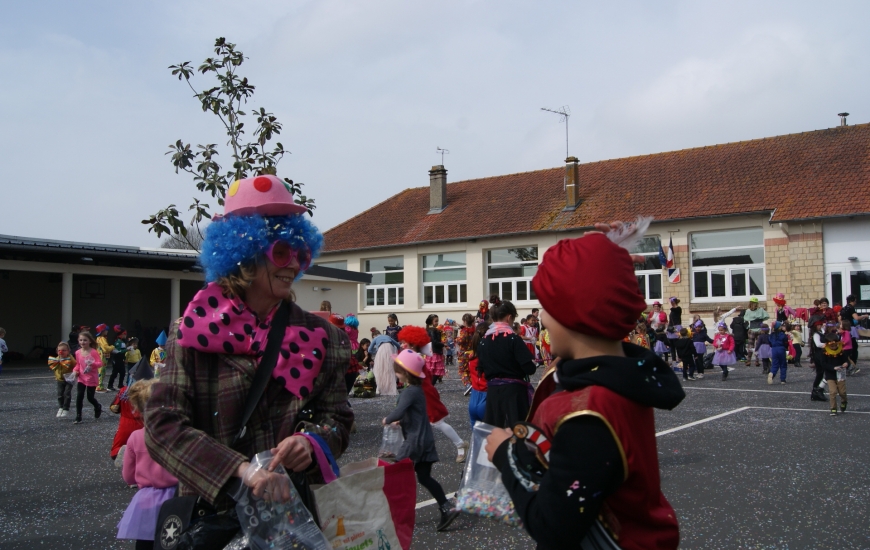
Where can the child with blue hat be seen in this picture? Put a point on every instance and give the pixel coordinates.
(158, 356)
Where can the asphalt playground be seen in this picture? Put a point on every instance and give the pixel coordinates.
(745, 464)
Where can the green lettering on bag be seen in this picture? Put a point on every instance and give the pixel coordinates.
(364, 544)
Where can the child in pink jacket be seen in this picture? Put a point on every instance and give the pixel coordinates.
(156, 485)
(848, 344)
(723, 343)
(87, 369)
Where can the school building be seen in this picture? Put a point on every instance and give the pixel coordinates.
(47, 286)
(784, 214)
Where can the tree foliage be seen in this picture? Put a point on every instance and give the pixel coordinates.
(225, 100)
(191, 241)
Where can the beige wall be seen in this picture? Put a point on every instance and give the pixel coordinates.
(413, 311)
(794, 265)
(310, 292)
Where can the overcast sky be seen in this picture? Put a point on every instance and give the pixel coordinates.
(366, 90)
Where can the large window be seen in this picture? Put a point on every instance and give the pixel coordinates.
(388, 280)
(510, 272)
(649, 273)
(727, 264)
(444, 278)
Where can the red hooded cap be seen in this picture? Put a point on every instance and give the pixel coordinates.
(588, 285)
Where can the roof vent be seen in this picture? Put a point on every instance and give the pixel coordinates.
(843, 118)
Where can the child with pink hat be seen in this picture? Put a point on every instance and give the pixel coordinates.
(419, 445)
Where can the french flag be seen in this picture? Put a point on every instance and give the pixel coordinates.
(670, 259)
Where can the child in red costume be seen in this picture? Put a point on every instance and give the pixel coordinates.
(586, 465)
(131, 419)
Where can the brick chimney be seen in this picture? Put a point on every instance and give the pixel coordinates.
(437, 189)
(572, 183)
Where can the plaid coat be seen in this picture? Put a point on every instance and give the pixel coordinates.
(195, 410)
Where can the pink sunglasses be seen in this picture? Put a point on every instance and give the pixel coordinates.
(281, 253)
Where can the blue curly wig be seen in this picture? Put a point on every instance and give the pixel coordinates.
(235, 240)
(351, 321)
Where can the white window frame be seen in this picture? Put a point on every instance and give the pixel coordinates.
(645, 273)
(459, 284)
(728, 297)
(512, 281)
(398, 289)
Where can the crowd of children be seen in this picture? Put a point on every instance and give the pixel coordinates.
(82, 366)
(774, 343)
(415, 359)
(81, 369)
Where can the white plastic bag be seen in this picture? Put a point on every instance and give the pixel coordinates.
(391, 442)
(70, 377)
(270, 525)
(482, 492)
(371, 506)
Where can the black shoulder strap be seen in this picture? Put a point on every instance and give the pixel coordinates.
(267, 365)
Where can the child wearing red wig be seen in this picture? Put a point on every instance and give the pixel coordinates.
(586, 464)
(417, 339)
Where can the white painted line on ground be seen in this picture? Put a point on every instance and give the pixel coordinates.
(702, 421)
(764, 391)
(808, 410)
(29, 378)
(431, 501)
(718, 416)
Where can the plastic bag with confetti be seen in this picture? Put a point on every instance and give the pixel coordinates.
(482, 492)
(273, 525)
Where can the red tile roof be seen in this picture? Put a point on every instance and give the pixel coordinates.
(802, 176)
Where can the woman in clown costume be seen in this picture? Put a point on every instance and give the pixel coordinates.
(251, 256)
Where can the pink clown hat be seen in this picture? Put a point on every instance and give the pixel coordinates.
(411, 361)
(265, 195)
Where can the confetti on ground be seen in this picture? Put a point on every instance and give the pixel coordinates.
(785, 476)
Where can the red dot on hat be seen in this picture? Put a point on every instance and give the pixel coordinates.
(262, 184)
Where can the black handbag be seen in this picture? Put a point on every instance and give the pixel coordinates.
(190, 523)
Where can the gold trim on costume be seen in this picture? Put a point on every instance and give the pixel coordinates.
(587, 412)
(548, 373)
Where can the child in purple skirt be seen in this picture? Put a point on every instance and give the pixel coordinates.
(663, 345)
(762, 348)
(156, 485)
(700, 341)
(723, 343)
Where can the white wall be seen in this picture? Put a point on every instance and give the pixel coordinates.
(844, 239)
(341, 294)
(847, 238)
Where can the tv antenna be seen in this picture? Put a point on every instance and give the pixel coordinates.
(443, 152)
(564, 114)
